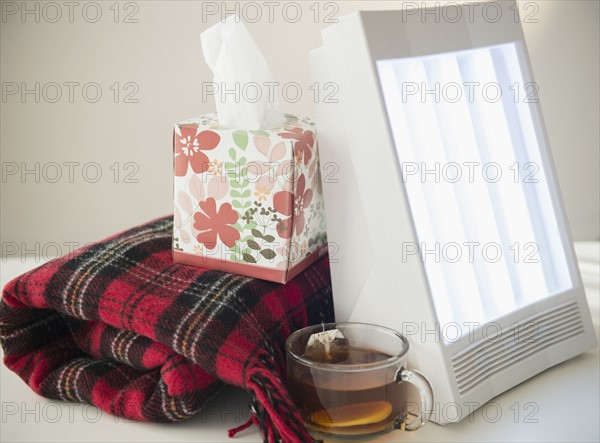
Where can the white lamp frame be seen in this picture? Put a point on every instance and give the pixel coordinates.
(369, 216)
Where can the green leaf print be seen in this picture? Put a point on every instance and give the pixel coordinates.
(240, 138)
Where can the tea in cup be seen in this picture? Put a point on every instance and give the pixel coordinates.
(349, 380)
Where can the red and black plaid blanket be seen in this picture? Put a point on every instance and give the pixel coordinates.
(118, 325)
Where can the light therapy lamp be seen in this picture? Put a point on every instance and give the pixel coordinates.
(443, 212)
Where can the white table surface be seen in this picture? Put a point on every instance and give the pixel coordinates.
(561, 404)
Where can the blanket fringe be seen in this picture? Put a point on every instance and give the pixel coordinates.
(273, 409)
(233, 432)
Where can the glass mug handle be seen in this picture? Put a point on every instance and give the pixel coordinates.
(419, 381)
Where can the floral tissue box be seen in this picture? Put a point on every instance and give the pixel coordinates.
(248, 202)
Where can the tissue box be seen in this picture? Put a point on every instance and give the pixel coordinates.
(248, 202)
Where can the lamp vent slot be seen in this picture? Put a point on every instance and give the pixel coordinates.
(497, 352)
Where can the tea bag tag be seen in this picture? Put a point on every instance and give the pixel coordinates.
(327, 346)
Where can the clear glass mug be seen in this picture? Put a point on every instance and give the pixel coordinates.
(362, 396)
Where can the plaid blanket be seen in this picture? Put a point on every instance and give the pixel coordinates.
(118, 325)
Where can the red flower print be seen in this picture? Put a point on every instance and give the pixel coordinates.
(303, 148)
(215, 223)
(285, 203)
(189, 147)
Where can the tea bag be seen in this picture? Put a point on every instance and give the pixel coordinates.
(327, 347)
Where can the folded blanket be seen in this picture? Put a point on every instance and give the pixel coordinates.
(118, 325)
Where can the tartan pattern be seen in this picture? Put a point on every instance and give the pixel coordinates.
(118, 325)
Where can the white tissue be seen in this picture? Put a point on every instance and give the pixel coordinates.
(236, 62)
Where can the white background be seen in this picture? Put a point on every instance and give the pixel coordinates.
(161, 56)
(159, 60)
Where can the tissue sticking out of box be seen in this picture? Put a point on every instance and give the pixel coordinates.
(327, 346)
(238, 65)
